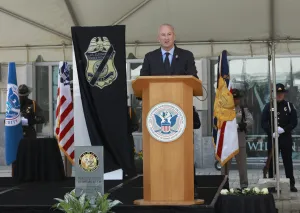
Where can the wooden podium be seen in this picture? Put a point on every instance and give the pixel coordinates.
(168, 166)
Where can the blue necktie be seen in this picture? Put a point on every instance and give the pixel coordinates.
(167, 63)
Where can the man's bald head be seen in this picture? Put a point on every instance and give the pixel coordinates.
(166, 25)
(166, 36)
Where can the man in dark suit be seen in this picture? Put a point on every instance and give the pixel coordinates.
(170, 60)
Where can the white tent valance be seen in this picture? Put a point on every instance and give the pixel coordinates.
(43, 27)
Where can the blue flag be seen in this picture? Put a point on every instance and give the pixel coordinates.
(13, 122)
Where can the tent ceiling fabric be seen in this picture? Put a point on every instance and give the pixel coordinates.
(194, 20)
(201, 20)
(15, 32)
(101, 12)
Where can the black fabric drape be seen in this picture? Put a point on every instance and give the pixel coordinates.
(246, 204)
(39, 160)
(105, 109)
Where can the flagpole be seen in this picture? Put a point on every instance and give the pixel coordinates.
(271, 110)
(226, 168)
(12, 170)
(275, 118)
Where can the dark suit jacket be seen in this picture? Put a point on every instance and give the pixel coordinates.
(196, 119)
(183, 63)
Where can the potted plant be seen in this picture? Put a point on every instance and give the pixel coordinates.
(246, 191)
(82, 204)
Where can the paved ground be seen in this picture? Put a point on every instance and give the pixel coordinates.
(284, 206)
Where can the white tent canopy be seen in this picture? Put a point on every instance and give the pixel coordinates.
(29, 28)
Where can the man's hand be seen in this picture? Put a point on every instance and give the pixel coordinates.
(280, 130)
(24, 121)
(274, 135)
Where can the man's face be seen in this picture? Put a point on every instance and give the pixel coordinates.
(280, 96)
(166, 37)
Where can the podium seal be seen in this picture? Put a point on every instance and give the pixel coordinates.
(166, 122)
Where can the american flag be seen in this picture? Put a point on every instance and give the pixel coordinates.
(64, 129)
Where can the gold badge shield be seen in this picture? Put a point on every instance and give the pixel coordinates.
(88, 161)
(100, 69)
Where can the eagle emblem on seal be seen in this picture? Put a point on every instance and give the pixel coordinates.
(100, 69)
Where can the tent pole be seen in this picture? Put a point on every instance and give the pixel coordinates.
(141, 44)
(275, 118)
(233, 42)
(131, 12)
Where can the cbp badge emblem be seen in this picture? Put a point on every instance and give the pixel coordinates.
(166, 122)
(100, 70)
(88, 161)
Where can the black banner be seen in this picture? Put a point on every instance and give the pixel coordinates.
(101, 66)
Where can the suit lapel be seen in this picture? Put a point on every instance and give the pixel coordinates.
(175, 59)
(159, 58)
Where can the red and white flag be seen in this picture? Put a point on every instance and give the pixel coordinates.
(225, 136)
(64, 128)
